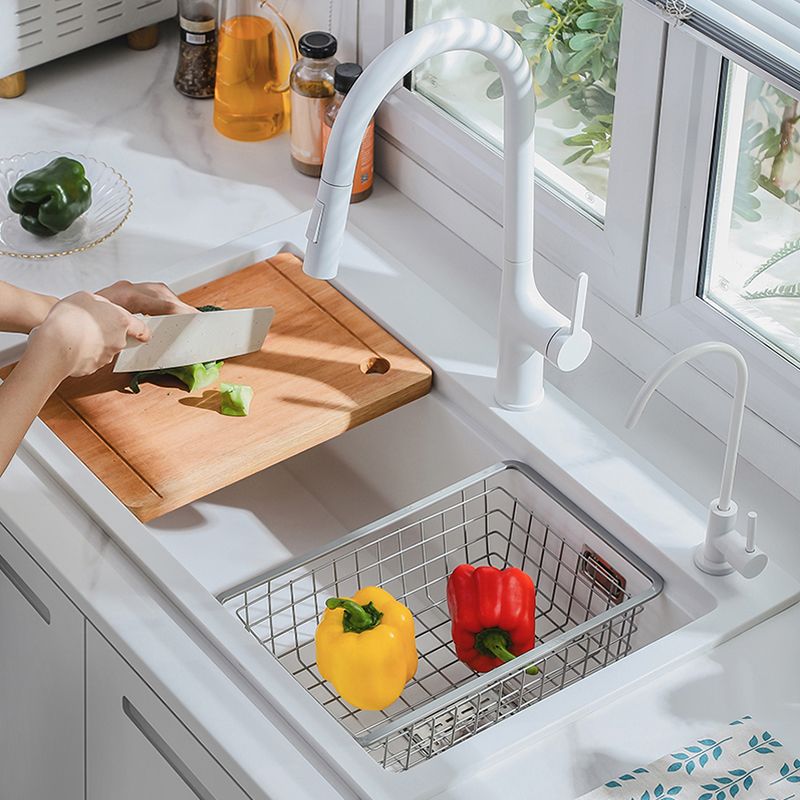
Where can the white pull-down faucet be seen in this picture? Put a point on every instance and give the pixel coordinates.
(530, 329)
(724, 549)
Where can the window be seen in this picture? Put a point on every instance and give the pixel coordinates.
(721, 207)
(685, 211)
(752, 265)
(592, 197)
(573, 48)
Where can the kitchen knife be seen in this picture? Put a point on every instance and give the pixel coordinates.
(177, 340)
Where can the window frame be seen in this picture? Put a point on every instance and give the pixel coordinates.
(672, 309)
(425, 159)
(565, 234)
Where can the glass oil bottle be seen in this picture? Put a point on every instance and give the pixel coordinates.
(256, 54)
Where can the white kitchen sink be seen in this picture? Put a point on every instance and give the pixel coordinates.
(237, 540)
(249, 544)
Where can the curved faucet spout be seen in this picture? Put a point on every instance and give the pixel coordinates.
(528, 324)
(378, 79)
(737, 412)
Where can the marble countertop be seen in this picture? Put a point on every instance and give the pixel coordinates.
(193, 190)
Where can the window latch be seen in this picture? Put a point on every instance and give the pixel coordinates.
(675, 12)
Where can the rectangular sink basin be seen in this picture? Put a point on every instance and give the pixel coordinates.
(273, 547)
(268, 535)
(593, 598)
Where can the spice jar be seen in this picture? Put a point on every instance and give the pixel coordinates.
(312, 92)
(197, 56)
(344, 77)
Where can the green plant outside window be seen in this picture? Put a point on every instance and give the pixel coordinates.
(752, 269)
(573, 50)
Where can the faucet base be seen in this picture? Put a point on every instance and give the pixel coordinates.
(725, 549)
(710, 567)
(520, 377)
(708, 557)
(514, 407)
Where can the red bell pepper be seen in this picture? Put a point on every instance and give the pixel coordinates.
(493, 615)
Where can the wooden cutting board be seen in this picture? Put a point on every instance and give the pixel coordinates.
(324, 368)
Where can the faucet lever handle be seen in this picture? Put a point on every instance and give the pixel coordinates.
(570, 346)
(752, 521)
(579, 304)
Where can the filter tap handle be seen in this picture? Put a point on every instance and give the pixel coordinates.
(752, 521)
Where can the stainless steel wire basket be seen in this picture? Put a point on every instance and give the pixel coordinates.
(590, 593)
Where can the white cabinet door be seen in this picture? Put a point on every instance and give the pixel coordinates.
(136, 747)
(41, 682)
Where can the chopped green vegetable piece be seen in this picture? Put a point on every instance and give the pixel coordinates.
(195, 376)
(198, 376)
(235, 399)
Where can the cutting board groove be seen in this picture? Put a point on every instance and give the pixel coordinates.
(317, 376)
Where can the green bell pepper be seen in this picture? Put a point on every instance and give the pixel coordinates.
(50, 199)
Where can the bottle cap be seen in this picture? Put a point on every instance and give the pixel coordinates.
(345, 75)
(317, 44)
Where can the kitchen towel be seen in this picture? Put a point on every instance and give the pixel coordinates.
(744, 761)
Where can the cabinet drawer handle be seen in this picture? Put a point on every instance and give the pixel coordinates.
(165, 751)
(22, 587)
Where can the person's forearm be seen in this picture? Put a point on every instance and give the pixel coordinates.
(21, 310)
(24, 393)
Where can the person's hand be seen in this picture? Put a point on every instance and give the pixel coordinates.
(145, 298)
(84, 332)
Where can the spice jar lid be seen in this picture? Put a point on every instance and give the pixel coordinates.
(345, 75)
(317, 44)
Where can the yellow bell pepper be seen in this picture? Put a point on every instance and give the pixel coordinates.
(366, 647)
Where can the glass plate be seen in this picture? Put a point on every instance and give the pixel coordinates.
(112, 201)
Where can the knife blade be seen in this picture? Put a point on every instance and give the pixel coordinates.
(177, 340)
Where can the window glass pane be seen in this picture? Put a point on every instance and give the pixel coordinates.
(752, 270)
(573, 48)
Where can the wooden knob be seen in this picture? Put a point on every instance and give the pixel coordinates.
(13, 85)
(143, 38)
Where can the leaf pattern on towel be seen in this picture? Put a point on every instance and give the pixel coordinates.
(660, 793)
(729, 785)
(764, 744)
(789, 773)
(698, 755)
(628, 776)
(742, 762)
